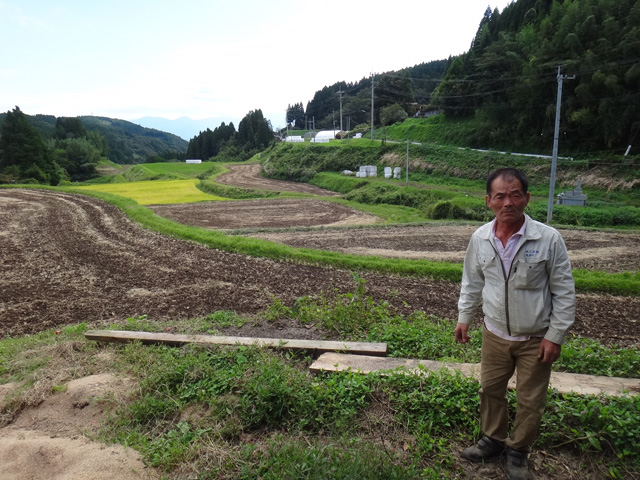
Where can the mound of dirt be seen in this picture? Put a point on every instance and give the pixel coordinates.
(53, 440)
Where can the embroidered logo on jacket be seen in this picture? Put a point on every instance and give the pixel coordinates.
(531, 253)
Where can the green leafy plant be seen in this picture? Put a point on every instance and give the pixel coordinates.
(581, 355)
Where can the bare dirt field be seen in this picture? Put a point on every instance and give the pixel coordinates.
(248, 176)
(271, 213)
(609, 252)
(67, 259)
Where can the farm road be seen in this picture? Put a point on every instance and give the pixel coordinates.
(68, 258)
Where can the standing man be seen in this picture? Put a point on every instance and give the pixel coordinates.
(520, 271)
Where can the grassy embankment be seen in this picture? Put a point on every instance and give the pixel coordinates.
(249, 413)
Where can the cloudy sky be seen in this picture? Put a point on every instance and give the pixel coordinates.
(202, 59)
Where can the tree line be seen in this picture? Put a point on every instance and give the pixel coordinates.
(507, 81)
(408, 88)
(508, 78)
(254, 133)
(72, 153)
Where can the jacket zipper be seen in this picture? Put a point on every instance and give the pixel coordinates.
(506, 282)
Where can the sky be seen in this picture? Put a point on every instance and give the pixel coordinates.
(204, 59)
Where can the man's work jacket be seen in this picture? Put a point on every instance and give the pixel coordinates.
(537, 297)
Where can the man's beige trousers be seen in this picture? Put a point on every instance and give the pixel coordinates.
(499, 360)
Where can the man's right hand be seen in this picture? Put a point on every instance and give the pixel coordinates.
(461, 333)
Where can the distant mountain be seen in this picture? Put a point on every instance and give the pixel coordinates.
(184, 127)
(128, 142)
(132, 143)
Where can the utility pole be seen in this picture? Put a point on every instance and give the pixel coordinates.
(407, 173)
(340, 93)
(372, 107)
(556, 134)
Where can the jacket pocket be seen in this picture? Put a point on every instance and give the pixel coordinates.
(530, 275)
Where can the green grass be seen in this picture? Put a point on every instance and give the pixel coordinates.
(187, 170)
(226, 191)
(244, 412)
(389, 214)
(166, 171)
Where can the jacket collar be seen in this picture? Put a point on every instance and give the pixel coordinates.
(532, 230)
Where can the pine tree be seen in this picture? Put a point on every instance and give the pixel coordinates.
(22, 147)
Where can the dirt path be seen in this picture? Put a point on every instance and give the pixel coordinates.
(248, 176)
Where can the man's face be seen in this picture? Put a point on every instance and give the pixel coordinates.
(507, 200)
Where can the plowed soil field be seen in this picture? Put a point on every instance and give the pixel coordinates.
(68, 258)
(248, 176)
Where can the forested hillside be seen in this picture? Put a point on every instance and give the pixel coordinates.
(507, 81)
(126, 141)
(410, 87)
(131, 143)
(508, 78)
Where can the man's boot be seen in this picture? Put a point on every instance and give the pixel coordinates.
(517, 465)
(486, 449)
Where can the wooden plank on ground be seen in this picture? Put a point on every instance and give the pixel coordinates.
(319, 346)
(561, 381)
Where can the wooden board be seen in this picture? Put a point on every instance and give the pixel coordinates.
(320, 346)
(561, 381)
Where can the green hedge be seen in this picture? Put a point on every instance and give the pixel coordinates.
(625, 216)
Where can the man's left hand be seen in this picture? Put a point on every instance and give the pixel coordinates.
(549, 352)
